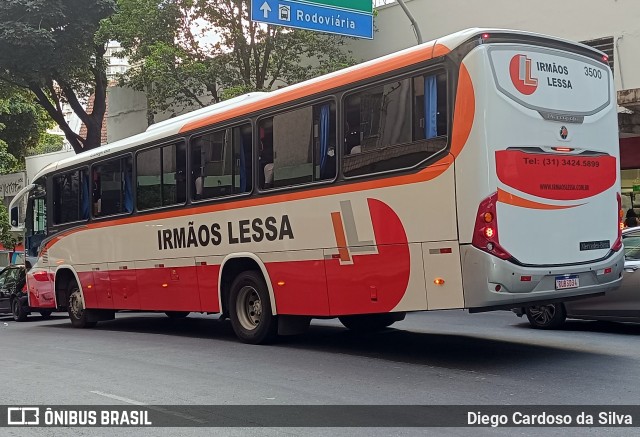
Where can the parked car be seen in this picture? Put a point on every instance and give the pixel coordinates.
(13, 293)
(619, 305)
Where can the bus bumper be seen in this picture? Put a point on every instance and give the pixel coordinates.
(492, 282)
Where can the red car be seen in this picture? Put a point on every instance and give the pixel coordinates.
(13, 293)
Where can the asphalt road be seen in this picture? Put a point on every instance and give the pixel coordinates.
(448, 357)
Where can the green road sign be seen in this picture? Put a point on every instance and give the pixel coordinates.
(356, 5)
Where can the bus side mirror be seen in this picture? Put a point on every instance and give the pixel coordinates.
(14, 218)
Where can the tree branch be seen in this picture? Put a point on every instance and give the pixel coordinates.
(76, 141)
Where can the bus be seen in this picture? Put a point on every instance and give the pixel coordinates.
(477, 171)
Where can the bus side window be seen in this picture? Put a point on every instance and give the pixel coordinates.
(395, 125)
(161, 176)
(221, 163)
(298, 146)
(111, 189)
(70, 198)
(430, 103)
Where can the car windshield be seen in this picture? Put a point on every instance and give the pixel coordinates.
(632, 247)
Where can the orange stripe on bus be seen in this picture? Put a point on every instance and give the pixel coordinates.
(464, 111)
(61, 235)
(341, 240)
(335, 80)
(440, 50)
(512, 199)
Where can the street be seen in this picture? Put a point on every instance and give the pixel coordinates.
(448, 357)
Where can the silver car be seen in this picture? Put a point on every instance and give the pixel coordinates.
(619, 305)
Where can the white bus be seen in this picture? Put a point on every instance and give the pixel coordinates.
(476, 171)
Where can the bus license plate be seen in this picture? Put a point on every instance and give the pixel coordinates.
(563, 282)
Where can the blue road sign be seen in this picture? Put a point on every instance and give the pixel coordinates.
(313, 17)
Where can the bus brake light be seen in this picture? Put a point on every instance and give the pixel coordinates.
(485, 236)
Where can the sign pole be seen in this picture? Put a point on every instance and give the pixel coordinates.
(414, 23)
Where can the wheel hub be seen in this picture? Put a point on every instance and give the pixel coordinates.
(249, 308)
(76, 306)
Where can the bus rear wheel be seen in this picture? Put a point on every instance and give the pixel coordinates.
(77, 312)
(370, 322)
(250, 309)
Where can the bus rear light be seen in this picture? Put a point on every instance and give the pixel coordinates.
(438, 281)
(618, 244)
(485, 237)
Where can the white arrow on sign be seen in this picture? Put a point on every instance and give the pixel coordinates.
(265, 9)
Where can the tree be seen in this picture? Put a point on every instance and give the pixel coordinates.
(48, 143)
(52, 49)
(7, 239)
(192, 52)
(8, 162)
(23, 124)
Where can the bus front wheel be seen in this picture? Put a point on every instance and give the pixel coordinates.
(77, 312)
(370, 322)
(250, 309)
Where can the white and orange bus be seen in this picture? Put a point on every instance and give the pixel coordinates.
(476, 171)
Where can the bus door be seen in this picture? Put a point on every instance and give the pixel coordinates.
(40, 280)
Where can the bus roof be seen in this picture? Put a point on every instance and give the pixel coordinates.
(252, 102)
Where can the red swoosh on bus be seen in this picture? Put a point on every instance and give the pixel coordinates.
(556, 177)
(357, 288)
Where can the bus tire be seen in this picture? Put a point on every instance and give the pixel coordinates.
(550, 316)
(45, 314)
(250, 309)
(177, 314)
(18, 311)
(77, 313)
(370, 322)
